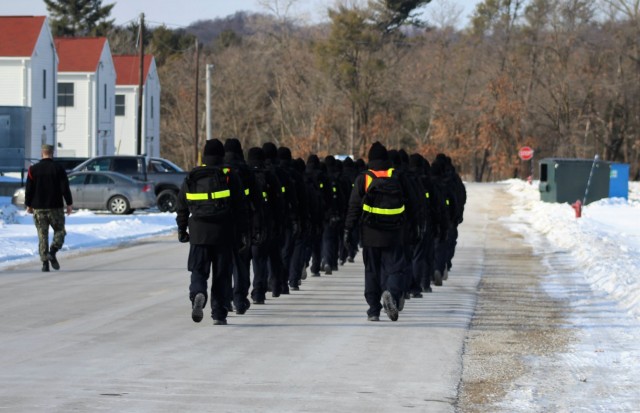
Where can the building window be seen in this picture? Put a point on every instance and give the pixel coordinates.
(44, 84)
(119, 105)
(65, 94)
(105, 96)
(151, 107)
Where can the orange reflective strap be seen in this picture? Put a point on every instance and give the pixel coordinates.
(378, 174)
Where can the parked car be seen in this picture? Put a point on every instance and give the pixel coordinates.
(68, 163)
(166, 176)
(111, 191)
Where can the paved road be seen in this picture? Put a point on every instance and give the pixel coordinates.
(112, 331)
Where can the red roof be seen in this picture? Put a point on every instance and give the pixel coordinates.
(128, 69)
(79, 54)
(19, 34)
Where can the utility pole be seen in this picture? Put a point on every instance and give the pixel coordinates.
(209, 70)
(140, 84)
(195, 123)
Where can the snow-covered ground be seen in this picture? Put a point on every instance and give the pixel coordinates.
(592, 265)
(85, 229)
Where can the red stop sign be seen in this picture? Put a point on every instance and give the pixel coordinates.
(525, 153)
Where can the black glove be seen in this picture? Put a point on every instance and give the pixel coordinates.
(245, 243)
(347, 238)
(296, 228)
(183, 235)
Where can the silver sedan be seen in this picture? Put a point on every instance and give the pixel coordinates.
(111, 191)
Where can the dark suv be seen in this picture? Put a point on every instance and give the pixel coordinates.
(166, 176)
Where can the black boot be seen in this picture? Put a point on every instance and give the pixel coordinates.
(45, 266)
(51, 256)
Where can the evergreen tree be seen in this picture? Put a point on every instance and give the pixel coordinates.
(71, 18)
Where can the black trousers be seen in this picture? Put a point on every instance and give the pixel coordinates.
(383, 270)
(260, 264)
(315, 252)
(330, 240)
(452, 241)
(216, 259)
(281, 284)
(241, 277)
(297, 261)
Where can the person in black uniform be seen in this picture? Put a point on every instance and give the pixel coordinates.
(234, 160)
(292, 220)
(292, 252)
(268, 222)
(379, 198)
(444, 184)
(318, 185)
(350, 172)
(47, 191)
(334, 224)
(211, 215)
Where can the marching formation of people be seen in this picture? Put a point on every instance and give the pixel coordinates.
(285, 219)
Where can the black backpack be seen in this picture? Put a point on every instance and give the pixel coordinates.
(208, 195)
(383, 202)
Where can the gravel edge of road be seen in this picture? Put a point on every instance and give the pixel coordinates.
(514, 318)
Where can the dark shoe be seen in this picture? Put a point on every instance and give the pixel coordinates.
(401, 302)
(51, 256)
(342, 262)
(437, 278)
(198, 304)
(241, 309)
(285, 291)
(45, 266)
(427, 290)
(258, 300)
(315, 274)
(416, 295)
(294, 288)
(445, 275)
(334, 268)
(304, 273)
(219, 322)
(373, 318)
(389, 305)
(327, 269)
(275, 294)
(350, 259)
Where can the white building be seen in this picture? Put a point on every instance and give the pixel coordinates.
(126, 106)
(28, 70)
(86, 97)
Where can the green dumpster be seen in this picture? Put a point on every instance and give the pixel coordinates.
(565, 180)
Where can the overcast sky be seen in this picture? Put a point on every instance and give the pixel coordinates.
(183, 12)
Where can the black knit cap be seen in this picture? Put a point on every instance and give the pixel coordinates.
(270, 150)
(330, 161)
(378, 152)
(348, 162)
(233, 145)
(213, 147)
(416, 161)
(313, 160)
(299, 165)
(284, 153)
(256, 154)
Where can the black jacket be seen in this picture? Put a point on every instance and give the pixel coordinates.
(214, 233)
(271, 203)
(47, 186)
(371, 237)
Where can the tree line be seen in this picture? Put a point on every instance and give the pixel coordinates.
(560, 76)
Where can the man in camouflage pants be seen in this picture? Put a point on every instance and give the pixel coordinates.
(47, 191)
